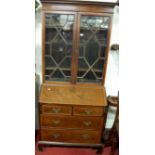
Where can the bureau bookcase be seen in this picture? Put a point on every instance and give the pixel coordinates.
(75, 44)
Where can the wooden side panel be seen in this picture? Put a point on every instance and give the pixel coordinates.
(107, 51)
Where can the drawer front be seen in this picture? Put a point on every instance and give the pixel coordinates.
(88, 111)
(73, 136)
(56, 109)
(75, 122)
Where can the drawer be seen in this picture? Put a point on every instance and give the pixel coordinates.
(71, 136)
(75, 122)
(56, 109)
(88, 111)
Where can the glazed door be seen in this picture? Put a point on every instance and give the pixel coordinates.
(59, 36)
(75, 46)
(92, 47)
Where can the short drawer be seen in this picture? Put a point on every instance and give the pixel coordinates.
(74, 122)
(88, 111)
(72, 136)
(56, 109)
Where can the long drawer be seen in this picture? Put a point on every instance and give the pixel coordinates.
(73, 136)
(76, 122)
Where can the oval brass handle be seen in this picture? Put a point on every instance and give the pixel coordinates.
(55, 122)
(55, 110)
(56, 135)
(88, 112)
(87, 123)
(85, 136)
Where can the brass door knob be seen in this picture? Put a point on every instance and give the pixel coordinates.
(51, 89)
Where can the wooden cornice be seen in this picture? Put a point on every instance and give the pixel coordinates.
(81, 2)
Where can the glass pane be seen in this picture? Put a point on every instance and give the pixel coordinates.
(58, 46)
(93, 43)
